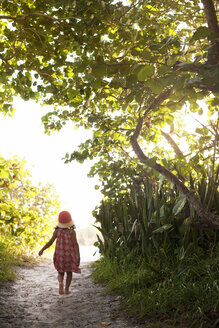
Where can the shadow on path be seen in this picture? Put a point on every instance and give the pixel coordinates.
(33, 301)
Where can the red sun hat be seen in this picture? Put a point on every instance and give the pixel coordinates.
(65, 220)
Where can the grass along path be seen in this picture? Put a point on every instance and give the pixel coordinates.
(33, 301)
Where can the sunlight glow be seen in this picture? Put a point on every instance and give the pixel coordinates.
(23, 135)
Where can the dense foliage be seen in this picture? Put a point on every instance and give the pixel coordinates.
(152, 221)
(28, 213)
(164, 268)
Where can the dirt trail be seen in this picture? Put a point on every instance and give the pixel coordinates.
(33, 301)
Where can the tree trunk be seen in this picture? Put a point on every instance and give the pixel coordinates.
(211, 17)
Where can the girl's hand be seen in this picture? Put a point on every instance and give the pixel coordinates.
(40, 252)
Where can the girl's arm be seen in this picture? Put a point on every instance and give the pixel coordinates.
(76, 246)
(50, 242)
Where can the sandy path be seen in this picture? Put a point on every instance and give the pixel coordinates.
(33, 301)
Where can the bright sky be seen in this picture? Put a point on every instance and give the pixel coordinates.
(23, 135)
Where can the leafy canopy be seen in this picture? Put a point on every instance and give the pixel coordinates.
(117, 69)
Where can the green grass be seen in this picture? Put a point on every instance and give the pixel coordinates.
(184, 292)
(6, 265)
(10, 257)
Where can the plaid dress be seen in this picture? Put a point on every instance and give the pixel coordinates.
(64, 258)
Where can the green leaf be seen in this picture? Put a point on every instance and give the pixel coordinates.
(201, 33)
(124, 69)
(194, 107)
(172, 60)
(92, 119)
(146, 54)
(4, 174)
(186, 226)
(163, 228)
(133, 228)
(179, 205)
(73, 93)
(131, 80)
(163, 70)
(145, 72)
(155, 85)
(99, 70)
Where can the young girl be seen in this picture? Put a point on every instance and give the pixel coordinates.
(66, 257)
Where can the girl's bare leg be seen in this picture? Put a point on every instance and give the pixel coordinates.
(60, 279)
(68, 282)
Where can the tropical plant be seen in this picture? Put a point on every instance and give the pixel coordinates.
(153, 222)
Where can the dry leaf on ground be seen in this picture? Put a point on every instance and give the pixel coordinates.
(105, 324)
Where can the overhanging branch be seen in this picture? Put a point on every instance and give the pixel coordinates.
(207, 219)
(173, 144)
(21, 18)
(157, 101)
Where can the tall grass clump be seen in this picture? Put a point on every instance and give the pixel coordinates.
(6, 264)
(12, 255)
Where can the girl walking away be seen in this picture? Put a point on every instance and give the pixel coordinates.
(66, 258)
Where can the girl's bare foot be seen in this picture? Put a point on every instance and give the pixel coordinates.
(61, 290)
(67, 292)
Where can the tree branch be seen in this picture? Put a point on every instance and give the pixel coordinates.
(211, 17)
(6, 60)
(207, 219)
(157, 101)
(199, 151)
(189, 67)
(8, 17)
(176, 149)
(172, 143)
(20, 18)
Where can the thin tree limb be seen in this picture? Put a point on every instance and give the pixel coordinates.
(173, 144)
(20, 18)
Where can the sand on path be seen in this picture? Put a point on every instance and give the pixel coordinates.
(33, 301)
